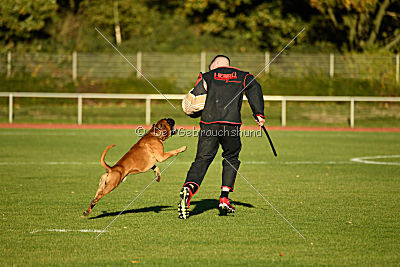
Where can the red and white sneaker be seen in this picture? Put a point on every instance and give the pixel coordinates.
(224, 206)
(184, 203)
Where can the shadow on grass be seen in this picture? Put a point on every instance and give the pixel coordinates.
(209, 204)
(155, 209)
(199, 207)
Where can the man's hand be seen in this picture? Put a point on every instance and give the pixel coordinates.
(260, 121)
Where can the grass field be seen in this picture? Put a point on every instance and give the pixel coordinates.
(348, 211)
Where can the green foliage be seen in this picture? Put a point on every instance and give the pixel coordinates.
(135, 18)
(359, 25)
(258, 24)
(145, 28)
(24, 20)
(209, 25)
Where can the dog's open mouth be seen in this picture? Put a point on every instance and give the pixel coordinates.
(171, 123)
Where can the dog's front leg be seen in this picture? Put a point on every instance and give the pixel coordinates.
(166, 155)
(157, 150)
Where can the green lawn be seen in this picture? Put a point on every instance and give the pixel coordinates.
(348, 211)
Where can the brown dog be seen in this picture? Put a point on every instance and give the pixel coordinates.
(140, 158)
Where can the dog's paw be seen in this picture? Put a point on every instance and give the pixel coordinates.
(158, 174)
(85, 214)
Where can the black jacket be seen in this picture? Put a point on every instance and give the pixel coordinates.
(224, 88)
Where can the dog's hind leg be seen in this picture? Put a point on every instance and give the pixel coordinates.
(107, 183)
(102, 184)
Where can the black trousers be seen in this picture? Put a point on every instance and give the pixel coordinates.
(210, 137)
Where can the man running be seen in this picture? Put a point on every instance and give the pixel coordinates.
(217, 97)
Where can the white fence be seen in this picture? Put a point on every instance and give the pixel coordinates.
(148, 97)
(184, 67)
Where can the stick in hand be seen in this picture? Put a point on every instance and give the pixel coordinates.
(269, 139)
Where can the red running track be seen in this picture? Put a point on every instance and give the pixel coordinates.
(186, 127)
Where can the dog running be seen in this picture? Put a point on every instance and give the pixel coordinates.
(140, 158)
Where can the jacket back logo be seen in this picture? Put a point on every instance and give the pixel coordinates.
(226, 77)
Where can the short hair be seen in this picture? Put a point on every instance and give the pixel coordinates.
(217, 56)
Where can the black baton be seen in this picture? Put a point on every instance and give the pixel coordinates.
(269, 138)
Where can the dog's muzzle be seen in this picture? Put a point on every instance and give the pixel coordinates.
(171, 123)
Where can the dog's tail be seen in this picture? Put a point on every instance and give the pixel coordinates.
(103, 163)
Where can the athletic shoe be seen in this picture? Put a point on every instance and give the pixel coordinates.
(184, 203)
(224, 206)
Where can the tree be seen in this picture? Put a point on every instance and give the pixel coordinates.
(259, 24)
(25, 20)
(135, 18)
(145, 25)
(360, 24)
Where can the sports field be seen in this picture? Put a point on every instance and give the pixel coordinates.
(348, 211)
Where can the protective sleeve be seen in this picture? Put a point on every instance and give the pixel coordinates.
(193, 103)
(254, 94)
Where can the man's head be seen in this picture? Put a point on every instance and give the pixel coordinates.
(219, 61)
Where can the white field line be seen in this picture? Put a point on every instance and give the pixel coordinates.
(123, 134)
(133, 200)
(266, 200)
(47, 163)
(352, 161)
(66, 230)
(80, 134)
(184, 163)
(297, 162)
(367, 160)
